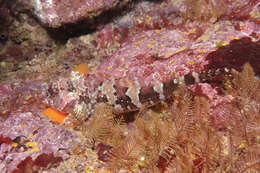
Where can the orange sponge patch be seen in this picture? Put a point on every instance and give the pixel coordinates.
(81, 69)
(54, 115)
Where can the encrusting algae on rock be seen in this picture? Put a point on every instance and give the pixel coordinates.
(161, 88)
(81, 69)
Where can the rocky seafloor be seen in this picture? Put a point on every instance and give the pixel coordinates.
(129, 86)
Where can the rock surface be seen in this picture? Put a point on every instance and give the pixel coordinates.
(32, 139)
(131, 57)
(55, 13)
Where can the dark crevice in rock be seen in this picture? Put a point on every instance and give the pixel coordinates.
(85, 26)
(236, 54)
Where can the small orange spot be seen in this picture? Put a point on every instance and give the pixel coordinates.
(4, 112)
(229, 23)
(51, 131)
(81, 69)
(172, 61)
(170, 53)
(181, 49)
(221, 32)
(150, 46)
(181, 38)
(190, 62)
(30, 136)
(54, 115)
(23, 124)
(199, 56)
(233, 37)
(122, 59)
(158, 31)
(191, 31)
(148, 19)
(14, 144)
(216, 27)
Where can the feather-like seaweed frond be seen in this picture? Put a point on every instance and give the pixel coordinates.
(206, 10)
(183, 127)
(242, 122)
(245, 84)
(126, 156)
(180, 136)
(104, 127)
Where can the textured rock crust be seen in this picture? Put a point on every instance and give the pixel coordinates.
(137, 59)
(32, 138)
(55, 13)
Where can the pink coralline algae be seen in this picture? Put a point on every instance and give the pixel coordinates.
(26, 137)
(135, 61)
(19, 95)
(55, 13)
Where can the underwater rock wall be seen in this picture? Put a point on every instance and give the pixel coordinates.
(147, 63)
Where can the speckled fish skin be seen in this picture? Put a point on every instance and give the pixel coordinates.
(127, 95)
(150, 66)
(155, 64)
